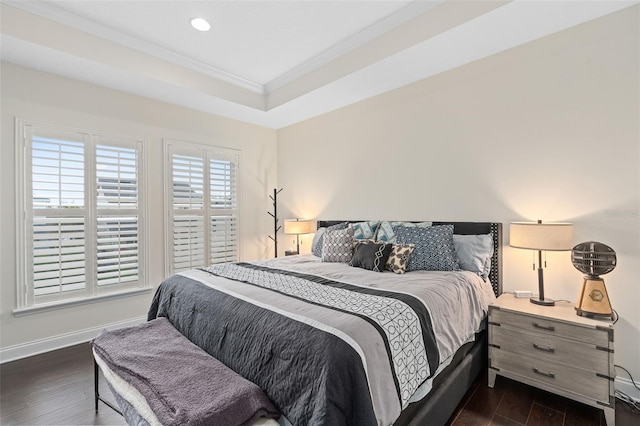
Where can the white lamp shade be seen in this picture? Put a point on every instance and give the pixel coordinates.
(294, 226)
(541, 236)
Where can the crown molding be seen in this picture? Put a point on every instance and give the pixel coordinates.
(399, 17)
(53, 13)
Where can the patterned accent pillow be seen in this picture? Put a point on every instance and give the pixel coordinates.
(316, 245)
(337, 245)
(385, 229)
(365, 230)
(371, 256)
(399, 257)
(434, 249)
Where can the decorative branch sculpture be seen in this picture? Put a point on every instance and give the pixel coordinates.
(274, 215)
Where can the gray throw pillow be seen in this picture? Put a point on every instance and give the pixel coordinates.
(337, 245)
(316, 245)
(474, 253)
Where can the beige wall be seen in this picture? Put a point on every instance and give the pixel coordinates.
(549, 130)
(32, 95)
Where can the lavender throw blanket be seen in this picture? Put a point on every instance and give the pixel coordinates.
(181, 383)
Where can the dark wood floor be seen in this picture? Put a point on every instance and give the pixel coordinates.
(511, 403)
(56, 388)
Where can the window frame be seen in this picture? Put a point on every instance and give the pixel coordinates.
(174, 146)
(26, 300)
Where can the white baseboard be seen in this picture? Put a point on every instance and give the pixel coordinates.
(625, 385)
(36, 347)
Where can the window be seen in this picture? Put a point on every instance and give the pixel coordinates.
(81, 231)
(202, 194)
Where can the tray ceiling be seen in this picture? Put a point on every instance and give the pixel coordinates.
(272, 63)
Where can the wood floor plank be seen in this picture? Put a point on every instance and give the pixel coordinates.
(80, 412)
(8, 411)
(545, 416)
(581, 415)
(625, 415)
(503, 421)
(516, 403)
(481, 406)
(550, 400)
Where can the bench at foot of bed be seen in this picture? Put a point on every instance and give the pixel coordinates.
(159, 377)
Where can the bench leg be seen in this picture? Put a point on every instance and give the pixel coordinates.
(96, 391)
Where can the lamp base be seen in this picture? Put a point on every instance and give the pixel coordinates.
(593, 299)
(542, 302)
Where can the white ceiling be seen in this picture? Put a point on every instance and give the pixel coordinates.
(256, 41)
(273, 63)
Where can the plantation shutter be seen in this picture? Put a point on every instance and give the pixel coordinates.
(187, 196)
(57, 211)
(118, 235)
(204, 206)
(224, 210)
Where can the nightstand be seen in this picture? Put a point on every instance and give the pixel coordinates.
(552, 348)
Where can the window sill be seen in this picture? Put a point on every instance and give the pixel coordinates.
(44, 307)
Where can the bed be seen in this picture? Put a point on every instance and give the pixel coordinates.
(333, 344)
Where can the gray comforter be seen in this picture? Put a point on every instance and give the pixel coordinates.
(325, 348)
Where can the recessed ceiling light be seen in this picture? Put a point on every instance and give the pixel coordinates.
(200, 24)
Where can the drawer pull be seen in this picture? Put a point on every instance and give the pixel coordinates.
(544, 327)
(543, 348)
(542, 373)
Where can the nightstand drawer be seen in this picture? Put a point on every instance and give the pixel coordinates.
(550, 327)
(547, 347)
(551, 373)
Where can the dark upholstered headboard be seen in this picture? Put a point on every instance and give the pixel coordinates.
(465, 228)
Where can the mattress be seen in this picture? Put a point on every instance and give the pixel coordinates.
(328, 343)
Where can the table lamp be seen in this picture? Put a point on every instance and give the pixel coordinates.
(542, 237)
(298, 227)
